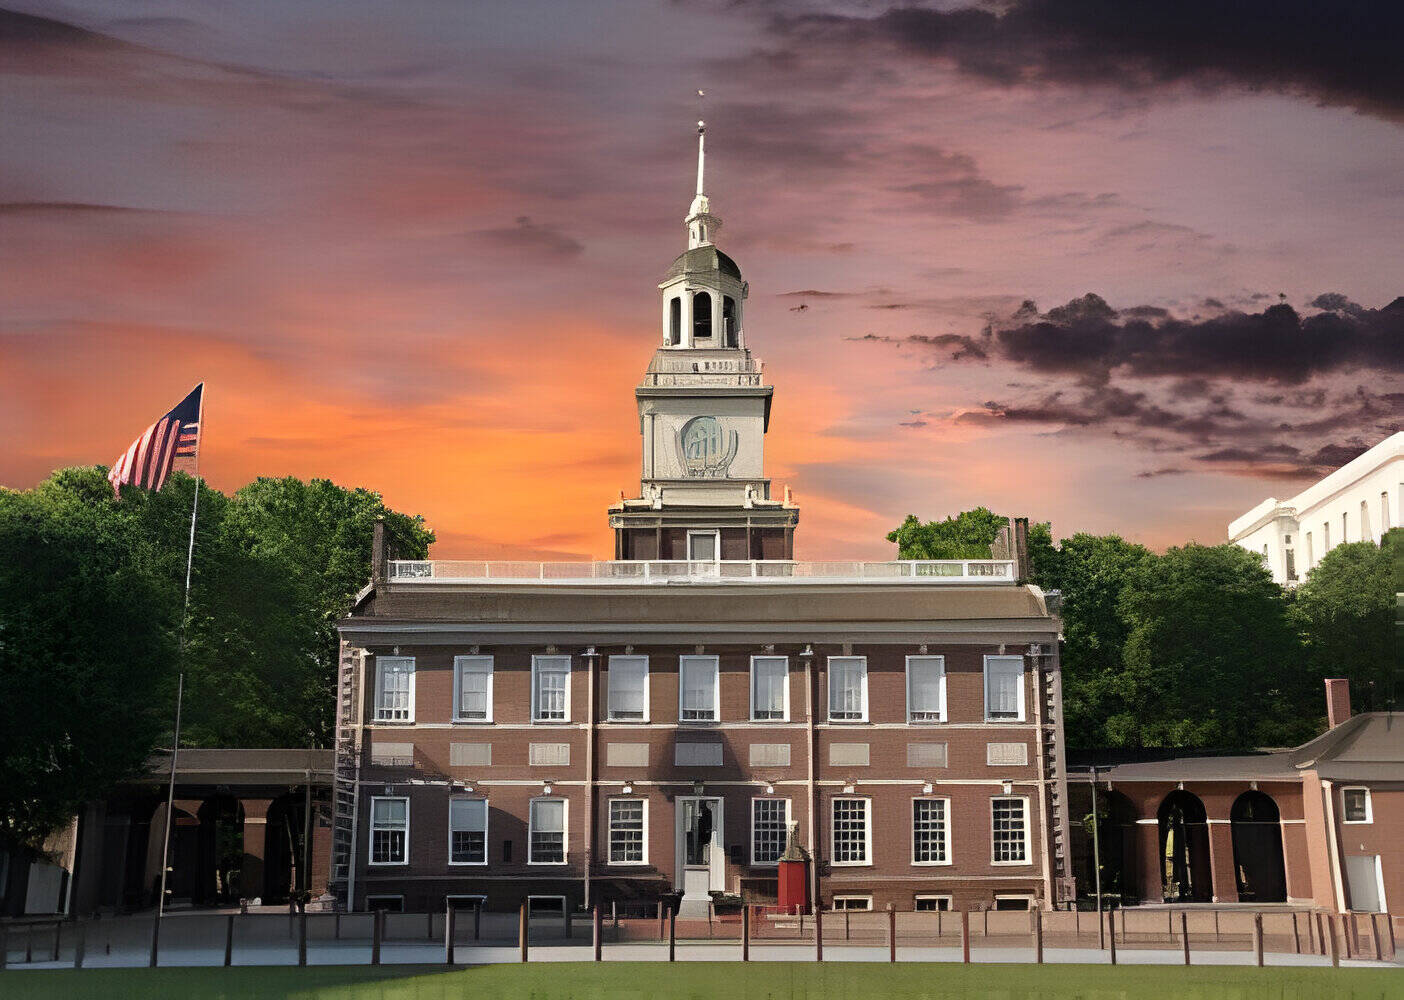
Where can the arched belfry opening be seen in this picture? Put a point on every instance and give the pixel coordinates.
(675, 320)
(729, 321)
(1258, 864)
(1184, 849)
(701, 316)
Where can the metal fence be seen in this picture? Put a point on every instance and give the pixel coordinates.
(469, 935)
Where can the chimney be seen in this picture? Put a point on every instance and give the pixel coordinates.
(1337, 701)
(378, 551)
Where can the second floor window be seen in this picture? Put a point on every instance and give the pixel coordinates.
(394, 689)
(697, 688)
(848, 688)
(550, 688)
(628, 688)
(770, 696)
(474, 689)
(468, 831)
(926, 689)
(546, 839)
(1004, 688)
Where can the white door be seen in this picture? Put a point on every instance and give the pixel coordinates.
(1363, 882)
(700, 850)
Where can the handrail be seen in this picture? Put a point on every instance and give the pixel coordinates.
(652, 571)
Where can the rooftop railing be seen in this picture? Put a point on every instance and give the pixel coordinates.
(661, 571)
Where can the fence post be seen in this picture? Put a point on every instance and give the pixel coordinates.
(477, 921)
(565, 918)
(1184, 934)
(229, 941)
(891, 933)
(614, 913)
(377, 931)
(4, 946)
(155, 939)
(1375, 933)
(597, 921)
(302, 938)
(1321, 933)
(1258, 938)
(58, 936)
(1111, 934)
(1335, 947)
(1038, 935)
(1346, 920)
(81, 939)
(523, 930)
(336, 933)
(1296, 935)
(818, 933)
(965, 936)
(450, 922)
(746, 932)
(428, 924)
(672, 935)
(847, 930)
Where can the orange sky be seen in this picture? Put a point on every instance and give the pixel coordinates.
(414, 248)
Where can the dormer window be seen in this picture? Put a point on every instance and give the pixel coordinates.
(701, 316)
(675, 320)
(728, 321)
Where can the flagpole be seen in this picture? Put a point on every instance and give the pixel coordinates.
(180, 684)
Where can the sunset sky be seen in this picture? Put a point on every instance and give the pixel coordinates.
(413, 246)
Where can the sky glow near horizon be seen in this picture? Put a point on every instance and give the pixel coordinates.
(414, 247)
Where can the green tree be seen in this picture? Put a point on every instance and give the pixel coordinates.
(1210, 658)
(968, 535)
(86, 657)
(1345, 612)
(1093, 571)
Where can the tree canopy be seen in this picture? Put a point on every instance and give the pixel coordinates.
(91, 595)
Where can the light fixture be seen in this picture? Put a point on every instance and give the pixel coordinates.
(926, 788)
(808, 650)
(389, 789)
(1008, 787)
(589, 650)
(546, 788)
(848, 789)
(697, 787)
(628, 788)
(769, 789)
(922, 649)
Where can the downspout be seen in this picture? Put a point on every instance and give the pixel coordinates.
(1044, 823)
(811, 788)
(354, 859)
(591, 658)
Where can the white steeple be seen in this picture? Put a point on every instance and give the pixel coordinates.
(701, 223)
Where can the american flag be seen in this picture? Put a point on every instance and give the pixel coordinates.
(176, 435)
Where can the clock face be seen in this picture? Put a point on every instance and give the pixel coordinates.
(706, 448)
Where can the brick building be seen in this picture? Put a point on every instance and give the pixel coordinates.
(588, 732)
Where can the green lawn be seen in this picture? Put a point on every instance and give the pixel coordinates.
(707, 980)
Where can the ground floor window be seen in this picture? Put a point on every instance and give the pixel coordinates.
(390, 904)
(626, 831)
(468, 831)
(1011, 902)
(770, 823)
(930, 904)
(544, 906)
(853, 902)
(389, 831)
(460, 902)
(546, 844)
(1009, 830)
(929, 829)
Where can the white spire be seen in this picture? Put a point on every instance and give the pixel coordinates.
(701, 223)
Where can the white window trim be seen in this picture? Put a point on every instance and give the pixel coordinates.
(647, 689)
(938, 896)
(370, 826)
(867, 832)
(536, 662)
(380, 662)
(487, 844)
(864, 898)
(862, 694)
(565, 831)
(941, 708)
(541, 896)
(1022, 693)
(1022, 897)
(785, 688)
(1369, 806)
(609, 832)
(459, 662)
(767, 798)
(716, 689)
(716, 545)
(950, 853)
(384, 895)
(464, 900)
(1028, 841)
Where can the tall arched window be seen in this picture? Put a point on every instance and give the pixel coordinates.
(728, 321)
(701, 316)
(675, 320)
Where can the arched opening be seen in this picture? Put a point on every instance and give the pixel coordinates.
(282, 850)
(675, 320)
(1116, 843)
(1184, 849)
(1366, 533)
(219, 857)
(701, 316)
(1257, 849)
(729, 325)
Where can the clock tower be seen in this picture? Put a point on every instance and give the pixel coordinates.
(704, 409)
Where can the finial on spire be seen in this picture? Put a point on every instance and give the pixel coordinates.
(700, 221)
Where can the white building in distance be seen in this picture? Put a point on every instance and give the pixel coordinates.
(1358, 502)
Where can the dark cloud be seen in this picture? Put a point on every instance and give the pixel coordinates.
(1334, 53)
(42, 208)
(531, 239)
